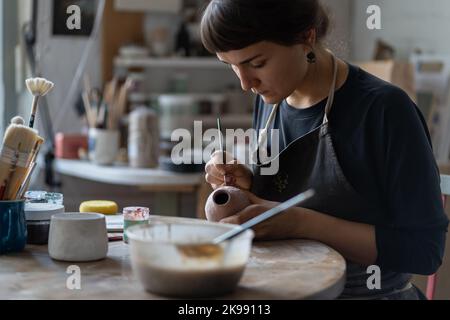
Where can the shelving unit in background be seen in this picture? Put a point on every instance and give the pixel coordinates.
(206, 79)
(174, 62)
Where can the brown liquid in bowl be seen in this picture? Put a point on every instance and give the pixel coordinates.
(189, 283)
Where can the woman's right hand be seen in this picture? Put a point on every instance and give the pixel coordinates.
(232, 173)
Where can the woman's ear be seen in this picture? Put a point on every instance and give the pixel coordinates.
(310, 38)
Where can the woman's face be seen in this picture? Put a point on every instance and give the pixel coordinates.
(269, 69)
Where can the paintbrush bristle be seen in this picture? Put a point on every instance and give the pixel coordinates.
(17, 120)
(19, 137)
(39, 86)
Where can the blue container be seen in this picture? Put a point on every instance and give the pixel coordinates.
(13, 228)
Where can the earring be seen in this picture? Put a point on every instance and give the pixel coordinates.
(311, 57)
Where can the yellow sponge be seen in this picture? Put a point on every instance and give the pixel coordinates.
(99, 206)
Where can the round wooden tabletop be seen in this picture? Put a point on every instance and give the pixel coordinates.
(294, 269)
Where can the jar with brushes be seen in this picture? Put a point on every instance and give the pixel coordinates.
(13, 230)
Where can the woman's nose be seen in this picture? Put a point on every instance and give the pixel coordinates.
(247, 80)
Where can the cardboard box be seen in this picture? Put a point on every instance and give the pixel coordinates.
(398, 73)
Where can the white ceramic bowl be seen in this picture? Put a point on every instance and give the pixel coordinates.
(164, 269)
(78, 237)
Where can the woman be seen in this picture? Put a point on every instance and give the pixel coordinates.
(360, 142)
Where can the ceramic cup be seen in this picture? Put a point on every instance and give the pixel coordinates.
(13, 229)
(103, 146)
(78, 237)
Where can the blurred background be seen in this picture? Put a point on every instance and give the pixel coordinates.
(129, 72)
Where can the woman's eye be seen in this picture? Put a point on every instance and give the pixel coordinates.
(258, 65)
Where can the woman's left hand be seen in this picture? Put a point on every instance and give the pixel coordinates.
(284, 225)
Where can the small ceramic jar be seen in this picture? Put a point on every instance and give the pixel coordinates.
(133, 216)
(78, 237)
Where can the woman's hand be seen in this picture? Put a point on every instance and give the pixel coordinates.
(355, 241)
(284, 225)
(232, 173)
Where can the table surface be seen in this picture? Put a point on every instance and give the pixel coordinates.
(123, 175)
(288, 269)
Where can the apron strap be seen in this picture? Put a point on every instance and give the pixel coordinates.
(263, 135)
(332, 89)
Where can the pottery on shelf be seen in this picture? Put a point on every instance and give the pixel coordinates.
(224, 202)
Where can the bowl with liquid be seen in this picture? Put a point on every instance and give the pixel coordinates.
(174, 257)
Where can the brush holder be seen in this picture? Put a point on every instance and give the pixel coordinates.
(224, 202)
(103, 146)
(13, 228)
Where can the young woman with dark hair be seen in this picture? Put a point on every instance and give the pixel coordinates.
(360, 142)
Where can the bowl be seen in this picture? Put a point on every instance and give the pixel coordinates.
(173, 257)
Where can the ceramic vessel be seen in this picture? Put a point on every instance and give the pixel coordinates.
(13, 230)
(224, 202)
(78, 237)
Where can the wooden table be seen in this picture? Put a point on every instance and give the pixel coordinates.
(294, 269)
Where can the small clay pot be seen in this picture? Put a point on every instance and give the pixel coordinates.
(224, 202)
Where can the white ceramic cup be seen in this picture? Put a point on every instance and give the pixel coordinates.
(103, 146)
(78, 237)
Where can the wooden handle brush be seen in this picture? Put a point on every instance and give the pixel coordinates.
(15, 156)
(21, 177)
(38, 87)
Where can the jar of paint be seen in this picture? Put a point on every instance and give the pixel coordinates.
(38, 216)
(44, 197)
(133, 216)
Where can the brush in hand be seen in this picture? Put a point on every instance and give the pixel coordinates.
(38, 87)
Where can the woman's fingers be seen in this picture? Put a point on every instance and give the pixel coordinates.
(217, 157)
(236, 169)
(246, 214)
(253, 198)
(213, 180)
(232, 173)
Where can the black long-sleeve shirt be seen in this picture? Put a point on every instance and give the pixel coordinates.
(383, 146)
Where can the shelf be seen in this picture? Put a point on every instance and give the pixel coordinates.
(238, 120)
(176, 62)
(125, 175)
(215, 97)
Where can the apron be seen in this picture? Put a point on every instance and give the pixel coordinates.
(310, 162)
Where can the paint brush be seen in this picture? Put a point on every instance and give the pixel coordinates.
(222, 148)
(26, 183)
(20, 189)
(38, 87)
(88, 110)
